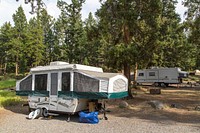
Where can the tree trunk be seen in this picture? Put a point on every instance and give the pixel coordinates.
(127, 74)
(5, 67)
(16, 66)
(127, 65)
(135, 72)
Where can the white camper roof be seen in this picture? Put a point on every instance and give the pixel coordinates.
(100, 75)
(65, 66)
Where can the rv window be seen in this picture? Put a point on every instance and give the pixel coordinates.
(41, 82)
(84, 83)
(54, 83)
(152, 74)
(141, 74)
(66, 81)
(26, 84)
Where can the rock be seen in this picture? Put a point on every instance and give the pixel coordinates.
(197, 108)
(176, 105)
(156, 104)
(155, 91)
(123, 104)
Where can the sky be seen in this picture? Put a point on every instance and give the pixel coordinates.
(9, 7)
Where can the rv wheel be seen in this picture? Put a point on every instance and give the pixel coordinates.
(162, 85)
(156, 84)
(45, 112)
(166, 84)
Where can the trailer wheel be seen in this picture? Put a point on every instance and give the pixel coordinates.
(166, 84)
(45, 112)
(162, 85)
(156, 84)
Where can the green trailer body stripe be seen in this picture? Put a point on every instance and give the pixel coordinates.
(118, 95)
(93, 95)
(33, 93)
(85, 95)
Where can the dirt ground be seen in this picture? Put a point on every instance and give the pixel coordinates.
(185, 99)
(179, 104)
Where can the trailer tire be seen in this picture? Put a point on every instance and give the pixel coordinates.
(156, 84)
(45, 112)
(166, 84)
(162, 85)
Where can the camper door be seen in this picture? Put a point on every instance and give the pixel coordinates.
(53, 91)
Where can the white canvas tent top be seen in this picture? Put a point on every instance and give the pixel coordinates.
(73, 80)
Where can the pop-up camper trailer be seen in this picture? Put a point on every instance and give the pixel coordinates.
(161, 76)
(68, 88)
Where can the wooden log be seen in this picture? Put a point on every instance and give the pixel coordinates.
(155, 91)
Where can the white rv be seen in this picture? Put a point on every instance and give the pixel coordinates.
(161, 76)
(63, 87)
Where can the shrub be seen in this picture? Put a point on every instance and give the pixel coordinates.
(7, 84)
(9, 101)
(8, 98)
(1, 78)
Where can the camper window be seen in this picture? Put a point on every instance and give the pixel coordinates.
(141, 74)
(26, 84)
(83, 83)
(151, 73)
(66, 81)
(41, 82)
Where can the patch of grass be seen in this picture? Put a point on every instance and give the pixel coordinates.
(8, 98)
(193, 78)
(7, 84)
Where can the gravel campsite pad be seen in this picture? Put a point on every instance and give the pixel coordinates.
(139, 117)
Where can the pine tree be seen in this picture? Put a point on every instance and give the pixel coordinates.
(5, 39)
(47, 23)
(34, 46)
(193, 26)
(75, 37)
(19, 37)
(92, 45)
(130, 30)
(172, 40)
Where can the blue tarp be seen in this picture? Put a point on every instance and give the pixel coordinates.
(89, 117)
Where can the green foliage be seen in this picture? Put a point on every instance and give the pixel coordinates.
(93, 52)
(173, 44)
(129, 31)
(75, 37)
(193, 27)
(125, 33)
(8, 98)
(49, 38)
(35, 47)
(193, 9)
(5, 38)
(18, 39)
(7, 83)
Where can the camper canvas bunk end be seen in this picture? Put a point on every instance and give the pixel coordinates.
(161, 76)
(68, 88)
